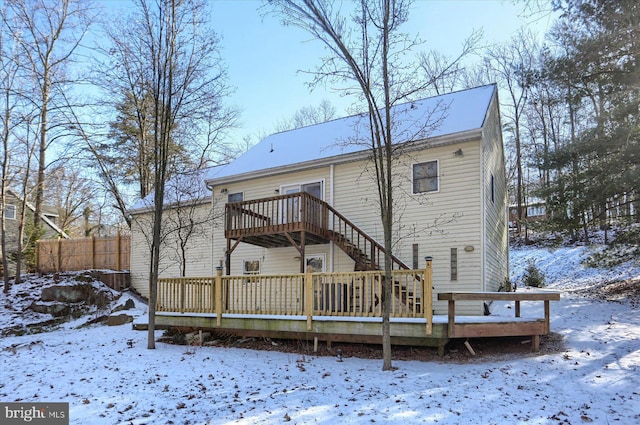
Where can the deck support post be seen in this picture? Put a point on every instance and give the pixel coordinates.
(302, 251)
(227, 259)
(427, 294)
(218, 290)
(535, 343)
(308, 298)
(547, 320)
(452, 318)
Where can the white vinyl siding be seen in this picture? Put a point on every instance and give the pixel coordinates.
(199, 261)
(496, 264)
(435, 221)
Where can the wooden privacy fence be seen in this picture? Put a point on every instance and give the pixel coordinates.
(92, 253)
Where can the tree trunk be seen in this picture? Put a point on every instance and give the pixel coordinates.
(42, 150)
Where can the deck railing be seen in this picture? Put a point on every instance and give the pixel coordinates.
(349, 294)
(304, 212)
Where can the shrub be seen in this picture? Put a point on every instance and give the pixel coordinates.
(533, 276)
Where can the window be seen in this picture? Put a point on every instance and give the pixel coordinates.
(454, 263)
(251, 267)
(10, 212)
(312, 188)
(536, 211)
(425, 177)
(235, 197)
(314, 263)
(415, 256)
(493, 189)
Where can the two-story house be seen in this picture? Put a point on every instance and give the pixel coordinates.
(306, 200)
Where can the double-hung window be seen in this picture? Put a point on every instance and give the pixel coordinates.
(425, 177)
(10, 212)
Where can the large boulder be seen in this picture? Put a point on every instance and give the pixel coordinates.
(82, 292)
(55, 309)
(118, 320)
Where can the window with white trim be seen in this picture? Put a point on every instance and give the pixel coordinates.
(315, 263)
(251, 267)
(425, 177)
(235, 197)
(10, 212)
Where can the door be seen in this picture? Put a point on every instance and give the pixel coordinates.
(291, 208)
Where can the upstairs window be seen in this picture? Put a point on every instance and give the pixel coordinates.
(235, 197)
(425, 177)
(10, 212)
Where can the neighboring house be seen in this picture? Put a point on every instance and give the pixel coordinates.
(450, 201)
(534, 210)
(13, 203)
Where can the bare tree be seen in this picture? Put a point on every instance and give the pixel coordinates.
(186, 220)
(368, 53)
(308, 115)
(27, 148)
(165, 58)
(70, 193)
(513, 64)
(128, 77)
(8, 102)
(48, 33)
(444, 74)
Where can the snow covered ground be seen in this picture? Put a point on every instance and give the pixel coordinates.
(109, 377)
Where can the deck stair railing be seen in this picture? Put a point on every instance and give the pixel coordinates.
(272, 222)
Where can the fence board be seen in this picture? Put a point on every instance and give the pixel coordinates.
(65, 255)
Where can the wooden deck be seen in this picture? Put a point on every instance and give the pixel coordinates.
(458, 329)
(340, 307)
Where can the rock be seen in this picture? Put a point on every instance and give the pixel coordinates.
(118, 320)
(128, 305)
(55, 309)
(76, 293)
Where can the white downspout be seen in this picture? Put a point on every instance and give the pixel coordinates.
(331, 194)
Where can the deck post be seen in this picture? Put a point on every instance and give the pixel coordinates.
(427, 294)
(218, 290)
(308, 298)
(547, 319)
(227, 255)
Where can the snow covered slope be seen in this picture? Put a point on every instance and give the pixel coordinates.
(109, 377)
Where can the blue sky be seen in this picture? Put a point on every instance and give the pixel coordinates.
(264, 58)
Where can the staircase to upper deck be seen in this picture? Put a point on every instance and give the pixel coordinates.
(301, 219)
